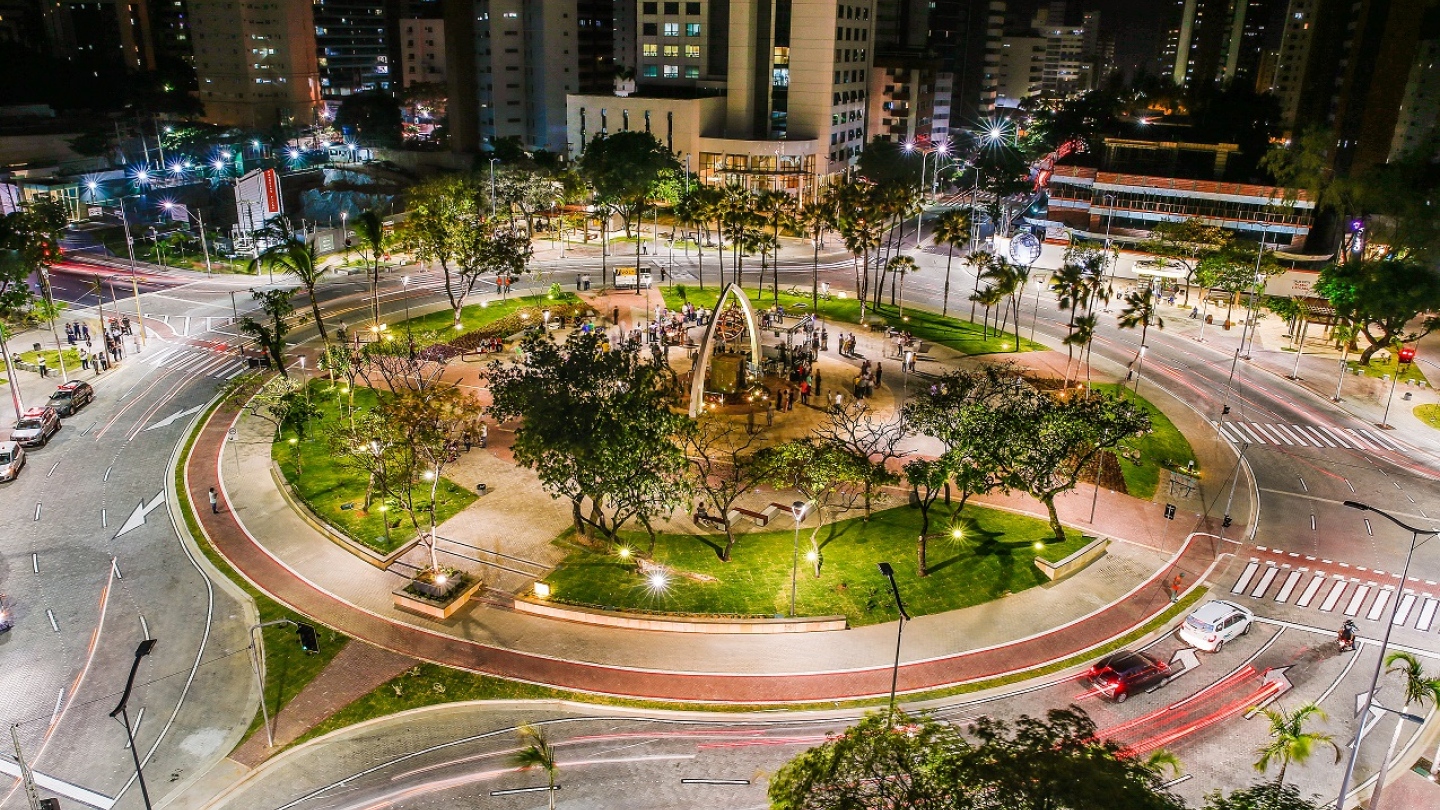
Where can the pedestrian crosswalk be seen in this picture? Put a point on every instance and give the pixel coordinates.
(1326, 437)
(196, 362)
(1338, 592)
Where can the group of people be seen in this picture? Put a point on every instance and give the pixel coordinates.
(867, 379)
(78, 332)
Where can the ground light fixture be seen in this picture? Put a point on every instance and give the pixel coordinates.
(1415, 535)
(887, 571)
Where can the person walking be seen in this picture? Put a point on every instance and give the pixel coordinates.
(804, 392)
(839, 400)
(769, 413)
(879, 372)
(84, 360)
(214, 502)
(44, 372)
(1177, 585)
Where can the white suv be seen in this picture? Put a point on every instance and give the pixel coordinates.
(1215, 623)
(12, 458)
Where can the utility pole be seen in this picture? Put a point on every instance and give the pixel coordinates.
(26, 778)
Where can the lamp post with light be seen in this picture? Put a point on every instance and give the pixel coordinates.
(146, 647)
(200, 222)
(889, 573)
(797, 511)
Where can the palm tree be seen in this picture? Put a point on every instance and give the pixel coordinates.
(536, 752)
(1420, 689)
(779, 210)
(952, 228)
(687, 215)
(370, 230)
(816, 218)
(990, 296)
(901, 266)
(1006, 279)
(1140, 311)
(291, 254)
(1289, 741)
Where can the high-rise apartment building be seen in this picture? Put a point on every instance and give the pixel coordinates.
(1217, 41)
(965, 36)
(422, 52)
(351, 47)
(1055, 57)
(255, 62)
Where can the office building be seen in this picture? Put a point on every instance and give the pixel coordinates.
(422, 51)
(966, 36)
(902, 97)
(1055, 56)
(255, 62)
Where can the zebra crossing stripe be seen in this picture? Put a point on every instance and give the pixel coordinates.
(1333, 595)
(1246, 429)
(1285, 431)
(1337, 436)
(1245, 577)
(1229, 432)
(1317, 436)
(1359, 440)
(1407, 601)
(1311, 590)
(1427, 613)
(1287, 588)
(1269, 577)
(1357, 599)
(1383, 440)
(1381, 600)
(159, 359)
(1259, 428)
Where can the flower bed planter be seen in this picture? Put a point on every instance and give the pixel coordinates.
(435, 600)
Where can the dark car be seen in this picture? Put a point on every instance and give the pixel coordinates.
(71, 397)
(1120, 674)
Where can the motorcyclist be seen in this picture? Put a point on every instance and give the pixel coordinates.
(1347, 636)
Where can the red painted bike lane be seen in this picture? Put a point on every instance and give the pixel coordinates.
(284, 585)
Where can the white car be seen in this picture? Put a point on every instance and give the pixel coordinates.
(12, 458)
(1215, 623)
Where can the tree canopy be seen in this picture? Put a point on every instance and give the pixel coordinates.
(372, 118)
(1388, 300)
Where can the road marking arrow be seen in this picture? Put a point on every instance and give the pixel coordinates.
(137, 518)
(170, 420)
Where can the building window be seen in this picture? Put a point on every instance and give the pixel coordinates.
(692, 29)
(692, 51)
(692, 72)
(648, 29)
(672, 71)
(692, 8)
(650, 8)
(650, 49)
(672, 29)
(672, 51)
(672, 8)
(649, 71)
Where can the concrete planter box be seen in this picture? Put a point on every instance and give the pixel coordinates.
(1091, 552)
(677, 624)
(439, 609)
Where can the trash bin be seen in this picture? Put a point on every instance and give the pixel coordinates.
(1407, 394)
(480, 489)
(35, 346)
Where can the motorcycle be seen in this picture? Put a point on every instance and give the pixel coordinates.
(5, 623)
(1346, 639)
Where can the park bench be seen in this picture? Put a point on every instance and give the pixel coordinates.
(762, 517)
(709, 521)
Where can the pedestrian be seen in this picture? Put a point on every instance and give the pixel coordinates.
(879, 372)
(465, 436)
(824, 339)
(70, 334)
(214, 502)
(44, 372)
(86, 328)
(769, 413)
(839, 400)
(125, 325)
(1176, 586)
(750, 420)
(84, 360)
(819, 381)
(615, 316)
(804, 392)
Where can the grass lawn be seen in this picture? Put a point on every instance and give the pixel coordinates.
(476, 316)
(327, 485)
(52, 358)
(1164, 446)
(995, 557)
(1429, 414)
(961, 335)
(1387, 368)
(287, 667)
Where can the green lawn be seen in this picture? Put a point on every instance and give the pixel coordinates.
(479, 316)
(1165, 446)
(1380, 369)
(52, 358)
(325, 484)
(1429, 414)
(994, 557)
(961, 335)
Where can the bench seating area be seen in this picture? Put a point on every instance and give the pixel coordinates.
(762, 517)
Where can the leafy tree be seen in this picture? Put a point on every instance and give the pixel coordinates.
(876, 763)
(824, 473)
(1050, 440)
(870, 440)
(1289, 739)
(1140, 311)
(374, 118)
(901, 266)
(1233, 268)
(1183, 244)
(724, 465)
(1079, 285)
(536, 752)
(277, 307)
(599, 429)
(1382, 297)
(928, 479)
(524, 187)
(441, 211)
(290, 253)
(370, 231)
(689, 212)
(1264, 796)
(814, 219)
(1420, 689)
(897, 203)
(860, 221)
(779, 210)
(623, 168)
(951, 229)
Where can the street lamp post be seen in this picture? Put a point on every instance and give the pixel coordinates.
(1039, 286)
(1415, 535)
(492, 185)
(141, 651)
(889, 573)
(797, 511)
(200, 222)
(405, 293)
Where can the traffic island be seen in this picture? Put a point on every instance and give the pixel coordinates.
(438, 594)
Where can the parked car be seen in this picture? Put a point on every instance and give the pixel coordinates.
(1215, 623)
(12, 459)
(1120, 674)
(71, 397)
(36, 426)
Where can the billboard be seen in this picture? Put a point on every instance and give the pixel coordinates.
(257, 199)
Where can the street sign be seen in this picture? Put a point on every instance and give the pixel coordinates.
(94, 211)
